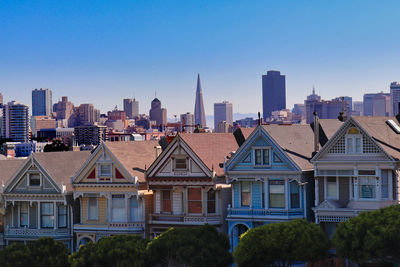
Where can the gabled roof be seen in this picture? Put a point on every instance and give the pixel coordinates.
(247, 131)
(62, 165)
(135, 156)
(330, 126)
(296, 140)
(8, 167)
(211, 148)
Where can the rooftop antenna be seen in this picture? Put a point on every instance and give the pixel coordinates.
(313, 90)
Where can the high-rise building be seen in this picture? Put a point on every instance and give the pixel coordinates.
(64, 111)
(42, 102)
(158, 114)
(118, 115)
(274, 92)
(41, 122)
(1, 99)
(223, 112)
(131, 107)
(326, 109)
(376, 104)
(88, 115)
(395, 98)
(16, 122)
(199, 114)
(358, 107)
(90, 134)
(187, 121)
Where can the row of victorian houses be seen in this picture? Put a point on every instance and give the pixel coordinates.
(326, 172)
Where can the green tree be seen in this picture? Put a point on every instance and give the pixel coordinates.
(195, 246)
(281, 244)
(56, 145)
(16, 255)
(116, 251)
(370, 237)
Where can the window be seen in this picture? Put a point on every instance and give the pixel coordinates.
(34, 179)
(245, 194)
(211, 201)
(331, 187)
(367, 187)
(276, 194)
(118, 208)
(353, 141)
(294, 195)
(133, 207)
(47, 215)
(92, 209)
(261, 156)
(62, 216)
(166, 200)
(385, 184)
(105, 170)
(23, 214)
(180, 164)
(194, 200)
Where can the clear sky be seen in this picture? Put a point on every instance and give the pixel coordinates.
(103, 51)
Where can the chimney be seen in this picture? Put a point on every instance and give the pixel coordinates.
(238, 134)
(316, 134)
(158, 150)
(342, 117)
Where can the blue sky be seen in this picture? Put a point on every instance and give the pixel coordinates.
(103, 51)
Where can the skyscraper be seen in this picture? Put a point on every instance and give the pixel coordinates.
(395, 98)
(1, 99)
(199, 114)
(376, 104)
(16, 122)
(222, 112)
(187, 121)
(131, 107)
(87, 114)
(42, 102)
(157, 113)
(64, 110)
(274, 92)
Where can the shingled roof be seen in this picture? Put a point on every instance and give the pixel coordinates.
(8, 167)
(136, 156)
(211, 148)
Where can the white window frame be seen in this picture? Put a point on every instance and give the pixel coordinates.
(112, 207)
(59, 214)
(376, 181)
(285, 182)
(240, 194)
(326, 187)
(100, 171)
(201, 201)
(353, 137)
(29, 178)
(262, 148)
(181, 169)
(95, 218)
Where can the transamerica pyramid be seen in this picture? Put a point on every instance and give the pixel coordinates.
(199, 114)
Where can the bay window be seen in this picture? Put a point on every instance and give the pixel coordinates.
(92, 208)
(194, 200)
(47, 215)
(385, 184)
(211, 201)
(276, 193)
(23, 210)
(294, 195)
(133, 207)
(367, 187)
(118, 208)
(331, 187)
(166, 200)
(62, 216)
(245, 195)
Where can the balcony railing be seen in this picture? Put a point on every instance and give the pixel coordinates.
(112, 226)
(240, 212)
(184, 219)
(25, 232)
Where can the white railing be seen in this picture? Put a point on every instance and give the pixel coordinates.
(263, 212)
(184, 219)
(24, 231)
(126, 225)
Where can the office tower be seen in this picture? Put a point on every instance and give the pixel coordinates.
(222, 112)
(299, 109)
(64, 111)
(42, 102)
(1, 99)
(117, 115)
(90, 134)
(395, 98)
(199, 114)
(376, 104)
(158, 114)
(128, 107)
(16, 122)
(87, 114)
(274, 92)
(135, 108)
(326, 109)
(358, 107)
(349, 99)
(42, 122)
(187, 121)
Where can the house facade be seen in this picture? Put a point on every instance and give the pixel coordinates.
(109, 191)
(357, 170)
(188, 182)
(37, 197)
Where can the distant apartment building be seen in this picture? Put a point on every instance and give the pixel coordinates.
(299, 109)
(158, 114)
(187, 122)
(117, 115)
(131, 108)
(358, 108)
(376, 104)
(90, 134)
(223, 112)
(245, 122)
(326, 109)
(41, 122)
(285, 116)
(395, 98)
(42, 102)
(87, 114)
(63, 134)
(64, 111)
(16, 122)
(274, 92)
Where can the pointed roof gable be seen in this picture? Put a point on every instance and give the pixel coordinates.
(8, 167)
(135, 156)
(211, 148)
(330, 126)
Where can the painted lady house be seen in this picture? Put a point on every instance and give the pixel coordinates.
(357, 170)
(37, 196)
(188, 182)
(110, 190)
(271, 176)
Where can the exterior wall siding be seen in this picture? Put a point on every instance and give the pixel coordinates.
(102, 211)
(256, 195)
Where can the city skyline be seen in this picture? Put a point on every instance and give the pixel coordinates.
(115, 52)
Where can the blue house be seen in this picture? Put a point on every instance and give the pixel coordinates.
(271, 175)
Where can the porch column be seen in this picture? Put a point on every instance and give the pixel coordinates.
(55, 214)
(316, 200)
